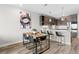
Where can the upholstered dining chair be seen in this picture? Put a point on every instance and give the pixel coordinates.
(30, 42)
(60, 41)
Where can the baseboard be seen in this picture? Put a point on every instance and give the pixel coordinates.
(12, 43)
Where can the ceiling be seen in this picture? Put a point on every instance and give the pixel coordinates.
(54, 10)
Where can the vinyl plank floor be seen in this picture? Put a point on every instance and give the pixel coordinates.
(54, 49)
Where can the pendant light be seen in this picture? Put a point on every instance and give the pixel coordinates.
(62, 17)
(50, 20)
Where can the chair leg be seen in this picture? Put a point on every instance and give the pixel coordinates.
(64, 41)
(23, 41)
(40, 45)
(57, 40)
(60, 42)
(27, 45)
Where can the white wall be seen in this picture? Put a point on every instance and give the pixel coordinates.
(35, 19)
(10, 31)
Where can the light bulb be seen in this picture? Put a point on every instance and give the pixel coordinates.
(62, 19)
(50, 20)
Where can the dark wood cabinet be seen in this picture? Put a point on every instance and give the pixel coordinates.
(44, 20)
(41, 20)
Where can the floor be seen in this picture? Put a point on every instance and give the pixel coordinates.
(54, 49)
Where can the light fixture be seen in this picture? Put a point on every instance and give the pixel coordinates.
(62, 17)
(50, 20)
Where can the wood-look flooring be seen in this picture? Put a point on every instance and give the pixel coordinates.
(54, 48)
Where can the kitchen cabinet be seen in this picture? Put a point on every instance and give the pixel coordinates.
(46, 20)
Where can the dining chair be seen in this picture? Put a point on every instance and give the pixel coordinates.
(51, 34)
(60, 41)
(27, 39)
(31, 43)
(44, 32)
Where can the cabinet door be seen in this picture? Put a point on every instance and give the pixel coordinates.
(46, 20)
(41, 20)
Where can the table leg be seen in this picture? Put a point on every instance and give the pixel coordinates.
(35, 49)
(49, 42)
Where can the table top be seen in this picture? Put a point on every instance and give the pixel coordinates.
(35, 34)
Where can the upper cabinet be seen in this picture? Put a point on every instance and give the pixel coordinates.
(46, 20)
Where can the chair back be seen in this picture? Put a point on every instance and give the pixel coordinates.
(43, 32)
(28, 37)
(57, 34)
(48, 32)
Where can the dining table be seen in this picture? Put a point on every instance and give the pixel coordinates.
(38, 36)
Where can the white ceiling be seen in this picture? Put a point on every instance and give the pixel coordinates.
(54, 10)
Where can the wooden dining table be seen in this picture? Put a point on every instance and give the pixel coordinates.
(37, 36)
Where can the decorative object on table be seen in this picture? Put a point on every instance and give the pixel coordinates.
(34, 30)
(25, 19)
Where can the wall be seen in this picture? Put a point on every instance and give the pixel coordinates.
(10, 30)
(35, 19)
